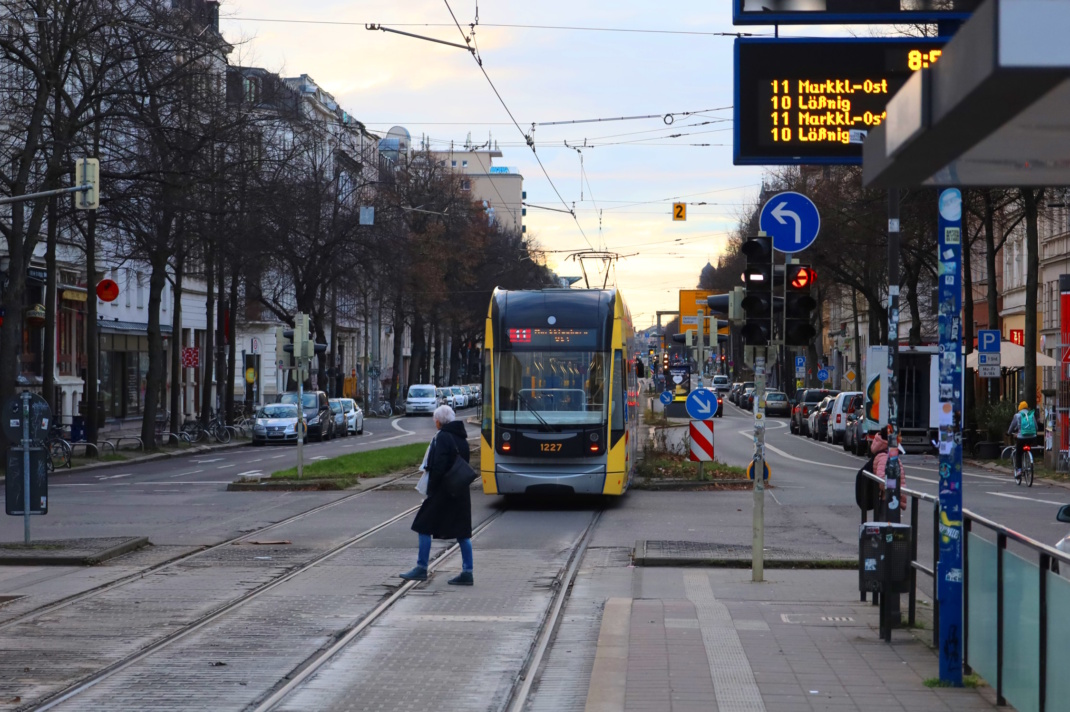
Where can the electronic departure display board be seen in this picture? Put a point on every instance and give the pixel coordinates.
(811, 101)
(826, 12)
(550, 338)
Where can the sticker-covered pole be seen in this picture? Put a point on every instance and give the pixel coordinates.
(26, 442)
(949, 570)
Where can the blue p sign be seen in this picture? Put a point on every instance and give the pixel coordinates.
(988, 341)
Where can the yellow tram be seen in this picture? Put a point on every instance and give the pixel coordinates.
(560, 399)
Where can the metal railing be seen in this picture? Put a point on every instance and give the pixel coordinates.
(1023, 694)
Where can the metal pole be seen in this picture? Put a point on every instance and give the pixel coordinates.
(302, 426)
(26, 467)
(758, 524)
(700, 332)
(44, 194)
(890, 603)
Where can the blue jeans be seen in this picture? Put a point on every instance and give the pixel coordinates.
(424, 555)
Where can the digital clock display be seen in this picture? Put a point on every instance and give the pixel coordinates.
(815, 100)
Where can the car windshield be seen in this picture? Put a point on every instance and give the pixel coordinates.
(776, 397)
(309, 400)
(421, 392)
(553, 387)
(347, 406)
(720, 380)
(748, 384)
(456, 390)
(277, 410)
(336, 407)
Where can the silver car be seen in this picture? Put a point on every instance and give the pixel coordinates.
(275, 423)
(354, 416)
(340, 420)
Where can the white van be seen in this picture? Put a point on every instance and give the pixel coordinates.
(421, 399)
(838, 416)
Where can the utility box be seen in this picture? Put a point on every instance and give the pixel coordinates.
(884, 550)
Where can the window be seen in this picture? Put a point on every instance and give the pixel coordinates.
(618, 412)
(464, 164)
(563, 387)
(453, 164)
(466, 185)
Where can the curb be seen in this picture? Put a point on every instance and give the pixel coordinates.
(640, 558)
(125, 547)
(286, 486)
(685, 485)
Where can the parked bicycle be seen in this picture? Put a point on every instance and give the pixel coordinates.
(57, 448)
(1026, 472)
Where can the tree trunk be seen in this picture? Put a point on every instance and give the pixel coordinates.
(14, 303)
(209, 341)
(1031, 198)
(859, 376)
(419, 346)
(92, 344)
(154, 380)
(992, 293)
(436, 342)
(455, 356)
(913, 277)
(177, 391)
(232, 343)
(878, 322)
(48, 367)
(399, 329)
(221, 333)
(967, 307)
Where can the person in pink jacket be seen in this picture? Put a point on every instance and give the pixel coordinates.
(879, 448)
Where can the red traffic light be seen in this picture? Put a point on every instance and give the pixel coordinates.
(804, 277)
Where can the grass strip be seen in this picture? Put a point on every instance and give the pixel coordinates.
(667, 466)
(347, 469)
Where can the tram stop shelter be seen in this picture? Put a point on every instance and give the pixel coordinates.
(994, 111)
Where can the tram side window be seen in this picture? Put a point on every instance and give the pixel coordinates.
(488, 394)
(510, 373)
(617, 412)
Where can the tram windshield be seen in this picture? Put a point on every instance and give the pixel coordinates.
(551, 387)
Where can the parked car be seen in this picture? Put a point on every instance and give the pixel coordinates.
(354, 416)
(746, 400)
(318, 416)
(443, 396)
(475, 394)
(733, 391)
(341, 428)
(721, 385)
(275, 423)
(469, 396)
(804, 405)
(819, 418)
(459, 399)
(421, 400)
(743, 389)
(776, 403)
(852, 429)
(838, 416)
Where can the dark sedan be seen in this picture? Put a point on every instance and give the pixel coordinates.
(776, 403)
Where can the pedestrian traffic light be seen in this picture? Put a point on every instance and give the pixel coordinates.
(758, 291)
(798, 326)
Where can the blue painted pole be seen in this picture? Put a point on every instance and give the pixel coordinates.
(949, 570)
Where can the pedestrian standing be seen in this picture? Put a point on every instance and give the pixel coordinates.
(442, 515)
(1024, 427)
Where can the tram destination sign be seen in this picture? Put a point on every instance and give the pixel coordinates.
(840, 12)
(813, 101)
(552, 337)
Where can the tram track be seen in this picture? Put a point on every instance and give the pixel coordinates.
(185, 558)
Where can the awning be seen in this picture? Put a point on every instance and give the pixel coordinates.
(1012, 357)
(127, 327)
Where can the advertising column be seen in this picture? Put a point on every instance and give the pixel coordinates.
(949, 572)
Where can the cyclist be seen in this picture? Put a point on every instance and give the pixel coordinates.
(1024, 428)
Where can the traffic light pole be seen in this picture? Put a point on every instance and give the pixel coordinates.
(890, 603)
(758, 520)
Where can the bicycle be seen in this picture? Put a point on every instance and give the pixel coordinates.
(1026, 471)
(217, 428)
(383, 409)
(57, 448)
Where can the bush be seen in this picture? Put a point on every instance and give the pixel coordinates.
(994, 418)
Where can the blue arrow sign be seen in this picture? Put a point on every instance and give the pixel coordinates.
(791, 219)
(666, 397)
(988, 341)
(823, 375)
(701, 404)
(800, 362)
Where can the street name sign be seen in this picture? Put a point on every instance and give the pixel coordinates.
(792, 220)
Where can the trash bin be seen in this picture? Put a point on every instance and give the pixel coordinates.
(884, 557)
(78, 429)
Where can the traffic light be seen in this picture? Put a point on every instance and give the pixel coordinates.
(283, 344)
(798, 329)
(687, 338)
(758, 291)
(87, 173)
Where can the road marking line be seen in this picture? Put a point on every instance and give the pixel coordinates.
(191, 472)
(257, 459)
(386, 440)
(250, 472)
(1027, 499)
(276, 457)
(205, 462)
(114, 477)
(319, 457)
(223, 467)
(780, 452)
(395, 426)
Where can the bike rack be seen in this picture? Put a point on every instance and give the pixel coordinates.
(169, 436)
(87, 444)
(140, 442)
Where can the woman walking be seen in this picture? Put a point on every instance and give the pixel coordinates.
(444, 516)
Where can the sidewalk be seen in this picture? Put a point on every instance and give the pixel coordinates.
(710, 639)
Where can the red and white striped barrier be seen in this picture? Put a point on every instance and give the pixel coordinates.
(701, 441)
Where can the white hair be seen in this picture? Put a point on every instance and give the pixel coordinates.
(444, 414)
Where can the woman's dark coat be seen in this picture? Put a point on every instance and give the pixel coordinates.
(444, 516)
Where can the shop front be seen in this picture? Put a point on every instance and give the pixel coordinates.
(124, 368)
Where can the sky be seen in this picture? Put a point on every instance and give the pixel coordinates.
(632, 170)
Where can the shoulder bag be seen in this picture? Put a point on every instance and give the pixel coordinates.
(458, 478)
